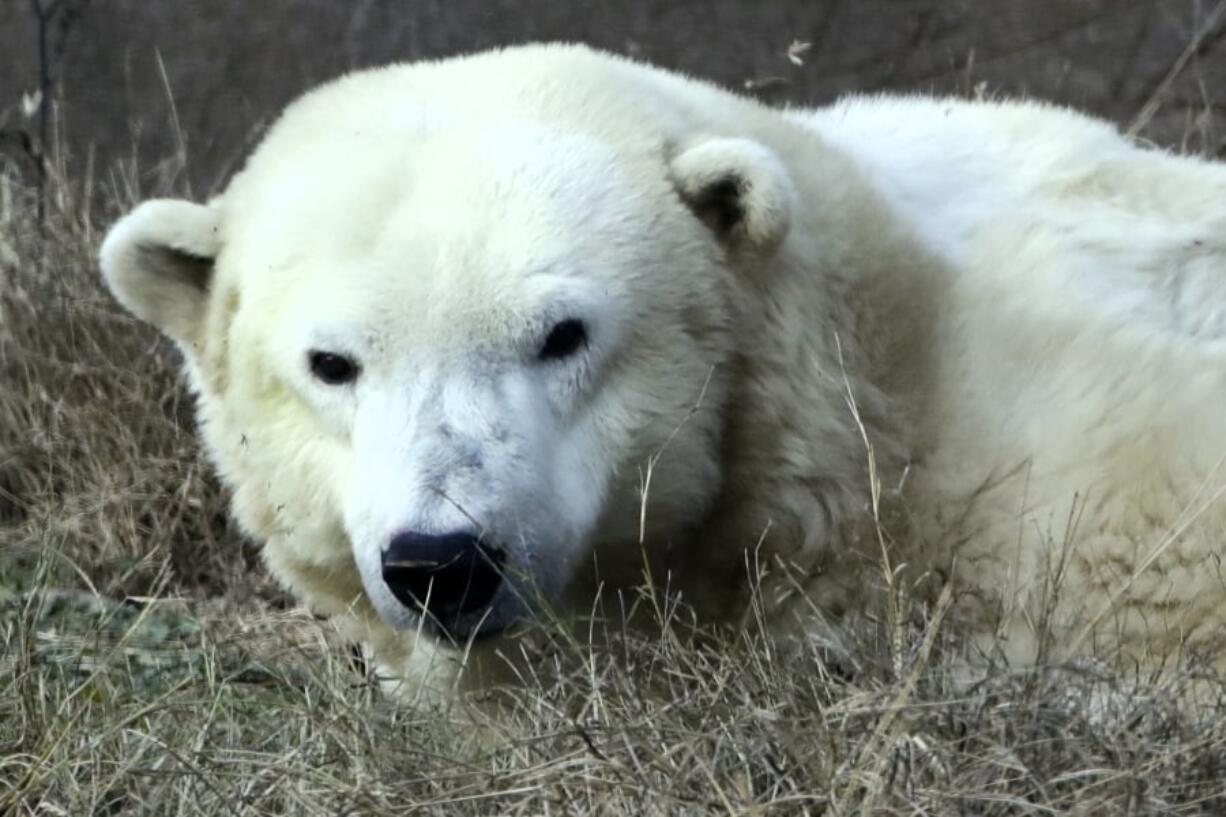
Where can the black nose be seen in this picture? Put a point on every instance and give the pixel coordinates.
(445, 576)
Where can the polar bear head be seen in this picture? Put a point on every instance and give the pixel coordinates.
(453, 347)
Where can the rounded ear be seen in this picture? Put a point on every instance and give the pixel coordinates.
(740, 189)
(158, 261)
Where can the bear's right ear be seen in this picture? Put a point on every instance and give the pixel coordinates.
(740, 189)
(158, 261)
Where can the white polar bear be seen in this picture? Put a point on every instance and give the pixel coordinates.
(471, 336)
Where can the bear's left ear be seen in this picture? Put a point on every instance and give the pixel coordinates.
(740, 189)
(158, 262)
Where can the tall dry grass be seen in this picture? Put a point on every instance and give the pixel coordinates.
(147, 665)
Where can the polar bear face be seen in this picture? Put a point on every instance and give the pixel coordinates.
(469, 365)
(457, 362)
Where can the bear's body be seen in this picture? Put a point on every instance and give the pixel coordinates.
(1078, 366)
(579, 310)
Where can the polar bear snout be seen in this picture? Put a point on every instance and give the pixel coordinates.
(444, 577)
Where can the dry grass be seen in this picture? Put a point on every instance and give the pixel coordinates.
(147, 665)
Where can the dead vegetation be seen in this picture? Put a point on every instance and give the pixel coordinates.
(148, 665)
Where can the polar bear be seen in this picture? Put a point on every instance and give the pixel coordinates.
(478, 338)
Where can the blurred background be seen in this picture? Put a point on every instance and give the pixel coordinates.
(123, 72)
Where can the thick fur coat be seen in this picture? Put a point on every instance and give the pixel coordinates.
(981, 340)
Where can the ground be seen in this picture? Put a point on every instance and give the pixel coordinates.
(148, 665)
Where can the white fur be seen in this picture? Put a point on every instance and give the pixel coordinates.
(135, 273)
(1016, 308)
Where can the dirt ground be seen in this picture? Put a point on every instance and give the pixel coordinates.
(229, 65)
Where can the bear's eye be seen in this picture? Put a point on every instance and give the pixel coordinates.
(565, 338)
(333, 369)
